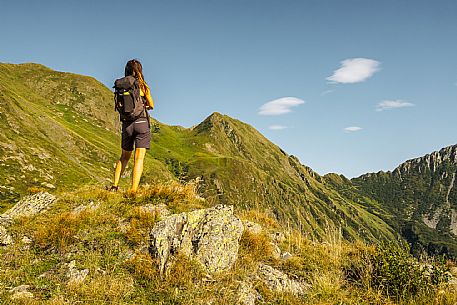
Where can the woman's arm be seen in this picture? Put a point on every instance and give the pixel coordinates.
(149, 100)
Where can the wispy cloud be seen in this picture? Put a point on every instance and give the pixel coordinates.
(352, 129)
(280, 106)
(354, 70)
(393, 104)
(277, 127)
(323, 93)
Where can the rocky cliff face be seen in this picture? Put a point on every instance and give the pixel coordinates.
(422, 194)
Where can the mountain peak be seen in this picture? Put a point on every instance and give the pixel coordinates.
(214, 119)
(430, 161)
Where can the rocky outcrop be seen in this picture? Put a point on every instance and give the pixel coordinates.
(5, 237)
(279, 282)
(26, 207)
(429, 162)
(29, 206)
(210, 236)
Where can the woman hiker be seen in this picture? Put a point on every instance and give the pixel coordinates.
(135, 132)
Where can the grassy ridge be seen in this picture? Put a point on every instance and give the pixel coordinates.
(106, 234)
(59, 130)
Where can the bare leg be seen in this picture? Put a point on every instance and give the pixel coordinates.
(137, 168)
(120, 166)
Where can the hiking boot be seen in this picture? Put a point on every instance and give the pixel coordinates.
(113, 189)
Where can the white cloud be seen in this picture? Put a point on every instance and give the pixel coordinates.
(354, 70)
(280, 106)
(277, 127)
(393, 104)
(352, 129)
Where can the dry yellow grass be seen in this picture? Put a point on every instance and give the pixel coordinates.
(261, 217)
(120, 272)
(60, 230)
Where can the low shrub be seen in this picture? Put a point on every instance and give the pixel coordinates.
(392, 270)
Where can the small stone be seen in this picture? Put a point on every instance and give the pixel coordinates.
(285, 256)
(90, 207)
(74, 275)
(276, 252)
(26, 240)
(5, 237)
(252, 227)
(5, 220)
(20, 292)
(278, 237)
(247, 295)
(48, 185)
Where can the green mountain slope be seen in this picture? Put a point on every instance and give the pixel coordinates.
(421, 193)
(61, 132)
(237, 165)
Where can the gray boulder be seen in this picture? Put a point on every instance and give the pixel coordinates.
(211, 236)
(279, 282)
(26, 207)
(30, 205)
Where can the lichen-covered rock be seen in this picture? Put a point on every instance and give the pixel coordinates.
(30, 205)
(279, 282)
(5, 237)
(247, 295)
(252, 227)
(211, 236)
(74, 275)
(20, 292)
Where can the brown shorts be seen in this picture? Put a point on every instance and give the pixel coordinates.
(136, 132)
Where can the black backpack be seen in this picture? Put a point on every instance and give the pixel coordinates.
(127, 98)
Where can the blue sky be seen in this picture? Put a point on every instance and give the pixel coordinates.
(354, 86)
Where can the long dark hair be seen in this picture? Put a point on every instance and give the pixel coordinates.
(134, 68)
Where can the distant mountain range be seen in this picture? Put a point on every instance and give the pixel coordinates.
(60, 131)
(421, 194)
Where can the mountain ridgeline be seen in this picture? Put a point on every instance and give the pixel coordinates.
(61, 132)
(422, 195)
